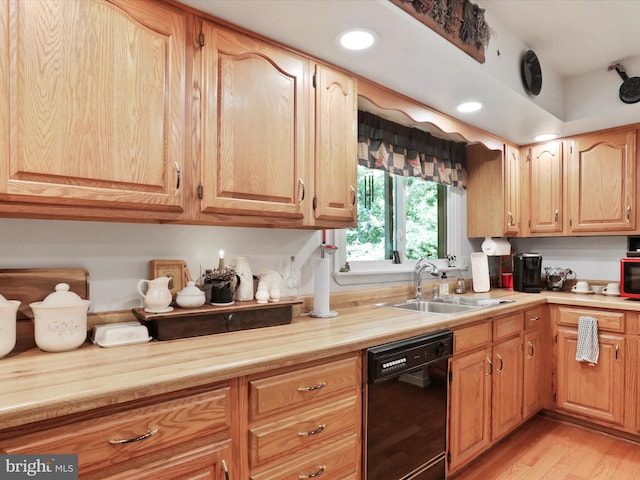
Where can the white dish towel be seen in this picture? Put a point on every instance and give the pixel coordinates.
(588, 350)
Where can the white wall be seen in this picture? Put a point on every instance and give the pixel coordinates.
(118, 254)
(592, 258)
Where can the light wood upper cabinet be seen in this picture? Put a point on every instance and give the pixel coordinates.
(96, 104)
(335, 173)
(602, 182)
(512, 191)
(546, 189)
(255, 127)
(485, 192)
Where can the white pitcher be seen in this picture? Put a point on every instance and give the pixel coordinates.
(8, 312)
(245, 289)
(158, 296)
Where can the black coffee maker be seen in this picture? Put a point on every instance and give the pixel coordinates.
(527, 269)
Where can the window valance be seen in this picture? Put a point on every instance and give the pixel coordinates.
(410, 152)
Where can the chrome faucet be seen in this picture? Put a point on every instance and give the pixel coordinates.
(418, 271)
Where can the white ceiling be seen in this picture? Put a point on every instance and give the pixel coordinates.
(575, 40)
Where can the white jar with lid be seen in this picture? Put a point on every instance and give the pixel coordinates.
(8, 314)
(190, 296)
(60, 320)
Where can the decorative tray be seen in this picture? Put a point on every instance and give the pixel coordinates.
(211, 319)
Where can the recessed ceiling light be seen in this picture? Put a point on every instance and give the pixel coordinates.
(357, 39)
(469, 107)
(546, 136)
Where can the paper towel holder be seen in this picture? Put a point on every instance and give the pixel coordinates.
(321, 305)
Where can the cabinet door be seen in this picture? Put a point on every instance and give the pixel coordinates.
(532, 376)
(254, 126)
(210, 462)
(96, 104)
(592, 391)
(511, 190)
(602, 182)
(335, 196)
(546, 188)
(469, 407)
(507, 387)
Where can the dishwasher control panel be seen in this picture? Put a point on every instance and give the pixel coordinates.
(404, 355)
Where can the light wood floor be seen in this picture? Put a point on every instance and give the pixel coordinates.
(546, 449)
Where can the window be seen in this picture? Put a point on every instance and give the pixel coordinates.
(396, 214)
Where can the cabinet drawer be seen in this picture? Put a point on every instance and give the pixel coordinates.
(469, 338)
(293, 389)
(174, 422)
(507, 326)
(609, 321)
(306, 429)
(533, 318)
(331, 462)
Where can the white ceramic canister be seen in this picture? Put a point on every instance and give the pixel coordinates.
(8, 313)
(60, 320)
(190, 296)
(245, 290)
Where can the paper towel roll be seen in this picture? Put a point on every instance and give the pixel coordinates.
(321, 289)
(496, 246)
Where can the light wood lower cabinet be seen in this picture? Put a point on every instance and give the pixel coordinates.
(187, 437)
(203, 463)
(306, 422)
(593, 391)
(532, 374)
(485, 388)
(469, 431)
(506, 402)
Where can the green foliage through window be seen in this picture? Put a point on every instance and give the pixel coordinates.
(394, 213)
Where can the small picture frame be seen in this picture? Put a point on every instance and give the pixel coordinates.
(175, 269)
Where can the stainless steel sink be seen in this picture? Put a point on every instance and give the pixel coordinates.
(433, 306)
(446, 306)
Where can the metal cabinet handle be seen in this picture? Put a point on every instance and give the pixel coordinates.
(510, 218)
(490, 367)
(178, 174)
(302, 189)
(353, 195)
(617, 350)
(320, 428)
(534, 319)
(310, 389)
(320, 471)
(555, 216)
(226, 470)
(531, 350)
(628, 213)
(499, 370)
(134, 439)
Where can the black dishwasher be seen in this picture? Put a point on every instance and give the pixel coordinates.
(407, 408)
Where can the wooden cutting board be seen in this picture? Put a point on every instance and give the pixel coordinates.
(34, 284)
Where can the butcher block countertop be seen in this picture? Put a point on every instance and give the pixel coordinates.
(39, 386)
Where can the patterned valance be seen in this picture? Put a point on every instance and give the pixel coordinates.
(410, 152)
